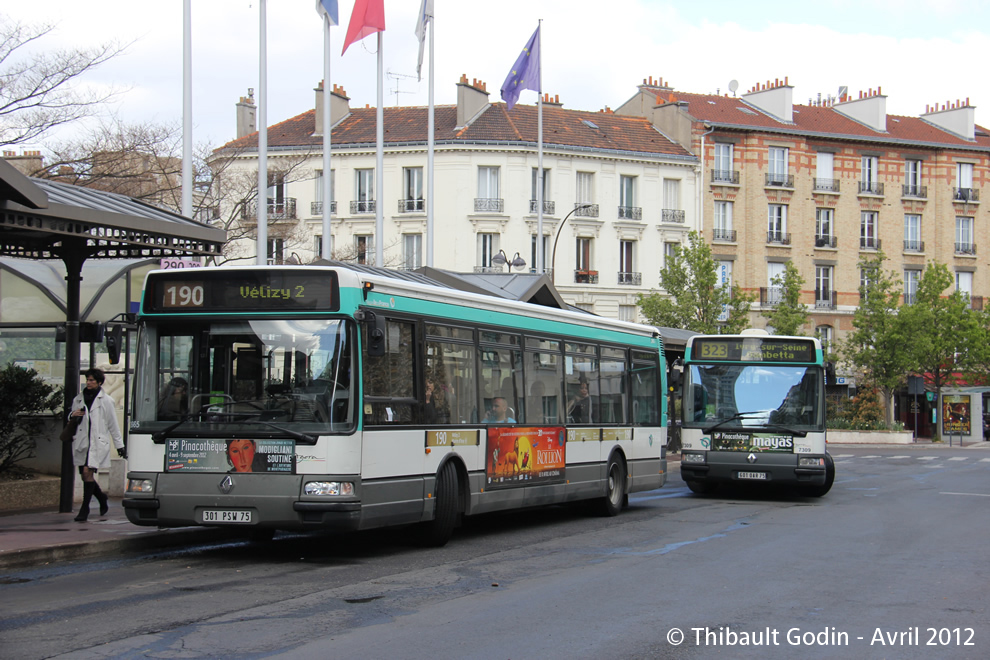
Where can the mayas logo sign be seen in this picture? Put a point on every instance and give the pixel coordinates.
(759, 442)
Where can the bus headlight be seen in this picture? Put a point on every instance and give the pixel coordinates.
(808, 461)
(688, 457)
(329, 488)
(140, 486)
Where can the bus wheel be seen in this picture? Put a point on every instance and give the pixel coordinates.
(615, 488)
(818, 491)
(700, 487)
(438, 531)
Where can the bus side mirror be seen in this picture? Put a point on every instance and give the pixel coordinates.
(113, 338)
(376, 331)
(830, 373)
(676, 373)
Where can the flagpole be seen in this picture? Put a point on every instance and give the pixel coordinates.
(263, 137)
(379, 165)
(327, 124)
(431, 127)
(187, 178)
(540, 265)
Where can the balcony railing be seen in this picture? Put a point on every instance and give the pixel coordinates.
(585, 210)
(489, 269)
(912, 245)
(823, 241)
(488, 204)
(825, 300)
(726, 176)
(965, 195)
(630, 213)
(779, 180)
(728, 235)
(912, 190)
(870, 188)
(363, 206)
(586, 277)
(549, 208)
(782, 238)
(869, 243)
(284, 210)
(770, 296)
(634, 279)
(316, 208)
(672, 215)
(966, 248)
(412, 205)
(826, 185)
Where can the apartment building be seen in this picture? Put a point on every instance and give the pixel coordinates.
(617, 192)
(825, 184)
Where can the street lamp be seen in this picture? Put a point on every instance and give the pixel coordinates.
(501, 259)
(553, 258)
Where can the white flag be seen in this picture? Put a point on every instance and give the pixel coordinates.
(425, 16)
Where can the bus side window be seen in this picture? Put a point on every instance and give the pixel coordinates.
(388, 379)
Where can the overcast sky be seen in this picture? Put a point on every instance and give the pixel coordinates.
(594, 53)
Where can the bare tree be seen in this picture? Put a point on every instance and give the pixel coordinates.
(38, 91)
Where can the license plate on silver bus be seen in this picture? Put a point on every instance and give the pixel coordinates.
(226, 516)
(759, 476)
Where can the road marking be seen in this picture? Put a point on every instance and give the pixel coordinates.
(843, 455)
(959, 458)
(984, 460)
(926, 458)
(970, 494)
(869, 457)
(900, 457)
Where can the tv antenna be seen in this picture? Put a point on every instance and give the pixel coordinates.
(397, 77)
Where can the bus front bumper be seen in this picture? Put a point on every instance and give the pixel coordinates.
(743, 467)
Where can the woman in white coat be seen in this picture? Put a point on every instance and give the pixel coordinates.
(94, 411)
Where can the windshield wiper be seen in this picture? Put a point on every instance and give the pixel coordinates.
(159, 436)
(295, 435)
(741, 415)
(786, 429)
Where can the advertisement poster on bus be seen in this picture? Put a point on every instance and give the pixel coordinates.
(231, 455)
(523, 456)
(955, 414)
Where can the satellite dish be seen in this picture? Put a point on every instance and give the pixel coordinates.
(733, 86)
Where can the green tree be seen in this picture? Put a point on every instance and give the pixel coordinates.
(942, 335)
(22, 391)
(876, 344)
(789, 315)
(695, 298)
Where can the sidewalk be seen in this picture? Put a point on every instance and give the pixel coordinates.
(40, 537)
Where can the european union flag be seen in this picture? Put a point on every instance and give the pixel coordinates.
(525, 73)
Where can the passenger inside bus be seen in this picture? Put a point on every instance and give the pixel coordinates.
(174, 402)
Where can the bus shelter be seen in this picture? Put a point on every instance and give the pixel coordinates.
(45, 220)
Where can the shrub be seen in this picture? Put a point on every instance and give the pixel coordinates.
(24, 395)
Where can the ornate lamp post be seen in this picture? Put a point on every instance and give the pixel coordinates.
(553, 258)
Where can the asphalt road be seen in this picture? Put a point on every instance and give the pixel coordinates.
(891, 564)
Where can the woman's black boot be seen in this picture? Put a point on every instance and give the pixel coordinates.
(87, 496)
(101, 497)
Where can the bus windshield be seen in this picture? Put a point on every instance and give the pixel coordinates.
(249, 375)
(753, 395)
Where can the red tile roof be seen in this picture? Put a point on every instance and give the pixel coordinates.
(812, 120)
(595, 131)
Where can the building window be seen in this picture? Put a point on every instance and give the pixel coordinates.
(672, 194)
(488, 190)
(777, 166)
(964, 283)
(318, 246)
(825, 176)
(627, 313)
(412, 251)
(317, 208)
(669, 250)
(584, 273)
(775, 276)
(546, 187)
(723, 222)
(823, 287)
(364, 193)
(627, 198)
(824, 333)
(869, 174)
(868, 230)
(627, 264)
(487, 248)
(912, 233)
(412, 190)
(722, 168)
(864, 284)
(276, 251)
(912, 178)
(777, 224)
(364, 250)
(964, 236)
(964, 182)
(823, 227)
(533, 255)
(911, 278)
(585, 193)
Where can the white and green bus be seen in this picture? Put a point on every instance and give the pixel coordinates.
(317, 397)
(753, 411)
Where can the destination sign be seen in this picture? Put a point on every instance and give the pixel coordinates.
(235, 290)
(754, 349)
